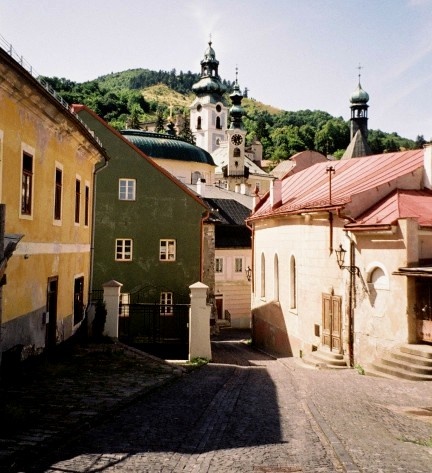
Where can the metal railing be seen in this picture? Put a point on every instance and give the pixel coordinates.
(8, 48)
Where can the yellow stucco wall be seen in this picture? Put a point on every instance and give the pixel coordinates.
(30, 122)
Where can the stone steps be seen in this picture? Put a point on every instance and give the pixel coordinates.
(411, 362)
(325, 359)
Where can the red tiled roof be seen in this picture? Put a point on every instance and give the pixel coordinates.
(309, 189)
(415, 204)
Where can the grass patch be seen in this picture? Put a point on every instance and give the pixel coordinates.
(421, 442)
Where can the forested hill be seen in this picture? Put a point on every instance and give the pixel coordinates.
(136, 96)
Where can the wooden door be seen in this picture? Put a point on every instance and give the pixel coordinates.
(51, 307)
(219, 307)
(332, 322)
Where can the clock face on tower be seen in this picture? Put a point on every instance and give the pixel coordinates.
(236, 139)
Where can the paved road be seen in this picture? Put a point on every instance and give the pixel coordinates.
(247, 412)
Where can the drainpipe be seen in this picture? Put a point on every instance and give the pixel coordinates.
(351, 305)
(204, 217)
(252, 229)
(95, 172)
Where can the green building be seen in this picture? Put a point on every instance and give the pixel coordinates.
(150, 230)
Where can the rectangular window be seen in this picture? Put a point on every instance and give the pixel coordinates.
(77, 200)
(219, 265)
(166, 301)
(127, 189)
(167, 250)
(27, 184)
(238, 265)
(123, 249)
(58, 194)
(86, 205)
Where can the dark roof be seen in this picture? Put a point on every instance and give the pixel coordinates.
(232, 236)
(228, 211)
(159, 145)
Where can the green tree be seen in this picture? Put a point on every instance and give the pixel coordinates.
(332, 136)
(160, 122)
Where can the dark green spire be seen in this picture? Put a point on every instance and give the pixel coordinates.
(236, 110)
(210, 83)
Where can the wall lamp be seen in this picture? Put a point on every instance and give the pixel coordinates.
(248, 273)
(340, 258)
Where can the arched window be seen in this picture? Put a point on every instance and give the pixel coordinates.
(293, 283)
(262, 275)
(236, 152)
(377, 276)
(199, 123)
(276, 278)
(218, 123)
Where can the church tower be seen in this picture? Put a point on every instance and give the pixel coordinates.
(236, 135)
(359, 111)
(208, 116)
(358, 146)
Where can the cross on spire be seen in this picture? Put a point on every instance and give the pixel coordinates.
(359, 67)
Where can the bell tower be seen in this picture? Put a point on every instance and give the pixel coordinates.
(359, 110)
(236, 134)
(209, 114)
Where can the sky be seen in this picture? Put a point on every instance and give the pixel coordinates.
(291, 54)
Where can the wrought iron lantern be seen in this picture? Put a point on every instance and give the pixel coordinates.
(340, 258)
(248, 273)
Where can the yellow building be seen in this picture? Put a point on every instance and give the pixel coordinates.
(47, 164)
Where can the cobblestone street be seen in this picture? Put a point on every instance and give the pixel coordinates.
(247, 412)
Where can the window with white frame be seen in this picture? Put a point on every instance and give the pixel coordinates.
(27, 184)
(86, 204)
(238, 265)
(123, 249)
(219, 265)
(77, 199)
(293, 283)
(167, 250)
(58, 192)
(127, 189)
(166, 301)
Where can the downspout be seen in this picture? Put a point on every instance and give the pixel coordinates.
(204, 217)
(252, 229)
(95, 172)
(331, 232)
(351, 304)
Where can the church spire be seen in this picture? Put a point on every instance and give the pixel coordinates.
(359, 115)
(210, 83)
(236, 110)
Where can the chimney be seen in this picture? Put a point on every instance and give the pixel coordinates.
(275, 193)
(201, 187)
(427, 165)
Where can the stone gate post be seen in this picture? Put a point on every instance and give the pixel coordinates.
(112, 302)
(199, 322)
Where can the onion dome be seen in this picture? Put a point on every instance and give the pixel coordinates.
(359, 95)
(210, 83)
(236, 111)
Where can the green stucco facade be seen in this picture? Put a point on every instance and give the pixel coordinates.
(162, 209)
